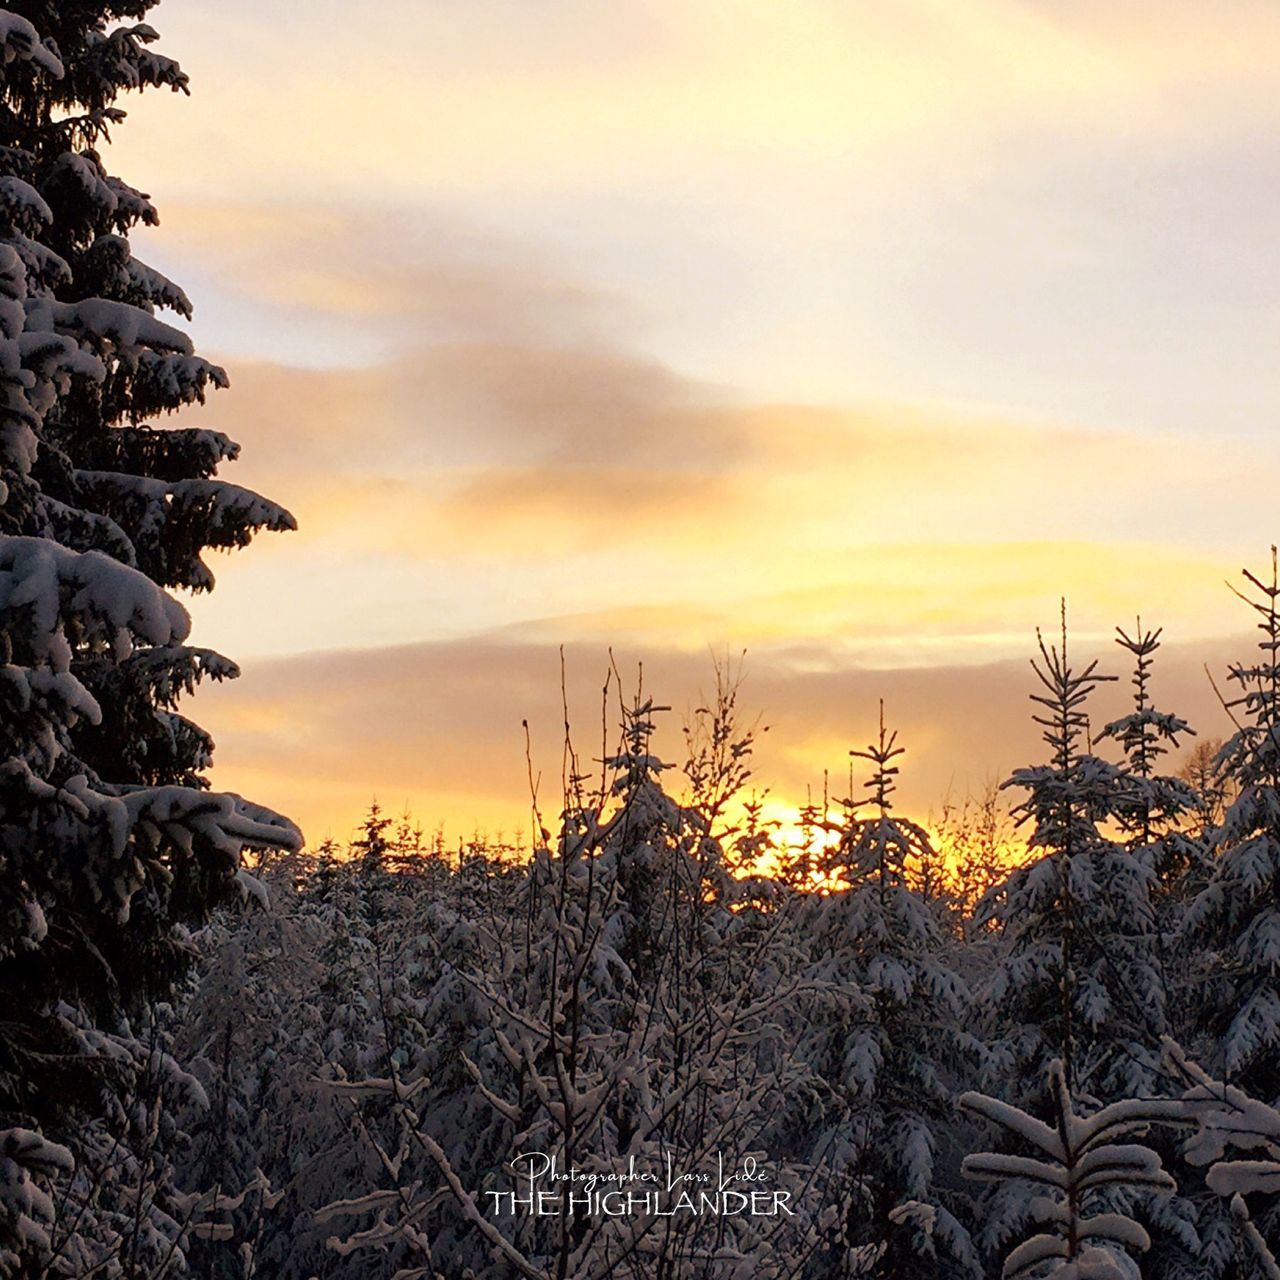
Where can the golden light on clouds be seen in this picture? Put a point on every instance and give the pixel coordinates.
(855, 335)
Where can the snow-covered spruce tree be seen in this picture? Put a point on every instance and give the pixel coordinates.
(1081, 980)
(1234, 923)
(250, 1033)
(1059, 993)
(1077, 1166)
(1162, 852)
(1153, 810)
(887, 1039)
(1148, 808)
(109, 840)
(352, 967)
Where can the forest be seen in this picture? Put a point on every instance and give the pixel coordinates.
(1035, 1036)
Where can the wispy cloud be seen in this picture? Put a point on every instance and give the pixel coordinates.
(437, 727)
(853, 333)
(563, 474)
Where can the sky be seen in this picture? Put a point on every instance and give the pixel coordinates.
(852, 335)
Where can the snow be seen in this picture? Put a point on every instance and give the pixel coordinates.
(253, 888)
(109, 600)
(46, 270)
(100, 871)
(130, 205)
(131, 65)
(13, 289)
(27, 1159)
(1078, 1159)
(61, 690)
(22, 206)
(111, 256)
(224, 821)
(20, 40)
(225, 506)
(105, 323)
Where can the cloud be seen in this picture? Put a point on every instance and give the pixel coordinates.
(482, 404)
(442, 98)
(413, 274)
(437, 727)
(1060, 210)
(525, 452)
(675, 323)
(460, 485)
(562, 479)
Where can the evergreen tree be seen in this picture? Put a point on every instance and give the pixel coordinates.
(110, 841)
(617, 1013)
(1152, 809)
(1077, 1168)
(1234, 923)
(1081, 979)
(1144, 881)
(1231, 1123)
(888, 1045)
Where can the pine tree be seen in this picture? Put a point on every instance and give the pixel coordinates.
(1152, 809)
(1058, 992)
(887, 1043)
(110, 840)
(1235, 921)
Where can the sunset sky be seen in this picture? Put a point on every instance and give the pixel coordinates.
(852, 334)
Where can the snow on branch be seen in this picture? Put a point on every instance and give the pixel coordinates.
(1228, 1119)
(226, 822)
(22, 206)
(110, 269)
(179, 453)
(123, 57)
(20, 41)
(1076, 1158)
(103, 323)
(27, 1161)
(108, 601)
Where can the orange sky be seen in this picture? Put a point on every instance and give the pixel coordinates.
(852, 334)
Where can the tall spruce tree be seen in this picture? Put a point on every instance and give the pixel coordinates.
(1151, 808)
(1234, 923)
(1081, 983)
(888, 1043)
(110, 840)
(1142, 879)
(1148, 808)
(1054, 994)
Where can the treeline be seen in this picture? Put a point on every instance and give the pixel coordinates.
(944, 1066)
